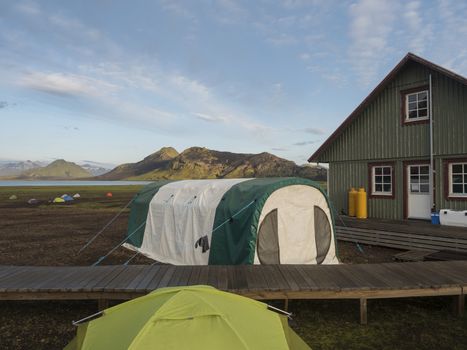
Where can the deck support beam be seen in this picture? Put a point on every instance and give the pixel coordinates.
(363, 311)
(460, 304)
(102, 304)
(286, 304)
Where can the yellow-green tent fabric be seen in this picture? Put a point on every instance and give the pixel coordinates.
(194, 317)
(58, 200)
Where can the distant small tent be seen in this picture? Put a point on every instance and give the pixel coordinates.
(109, 194)
(33, 201)
(76, 195)
(58, 200)
(13, 197)
(63, 196)
(67, 198)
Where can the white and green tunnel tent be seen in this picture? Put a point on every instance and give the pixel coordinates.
(232, 222)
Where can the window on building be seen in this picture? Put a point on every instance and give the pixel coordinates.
(381, 180)
(415, 103)
(458, 179)
(419, 178)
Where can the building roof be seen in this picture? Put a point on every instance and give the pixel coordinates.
(410, 57)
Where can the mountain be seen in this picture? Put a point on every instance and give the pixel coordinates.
(59, 169)
(203, 163)
(14, 168)
(157, 160)
(94, 170)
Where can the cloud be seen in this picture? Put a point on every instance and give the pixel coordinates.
(304, 143)
(177, 9)
(66, 84)
(3, 104)
(28, 8)
(314, 131)
(278, 149)
(371, 22)
(304, 56)
(282, 39)
(210, 118)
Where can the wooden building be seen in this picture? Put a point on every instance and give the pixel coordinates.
(406, 144)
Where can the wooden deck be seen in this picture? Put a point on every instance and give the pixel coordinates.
(365, 281)
(402, 234)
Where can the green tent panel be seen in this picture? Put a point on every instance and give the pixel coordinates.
(220, 222)
(194, 317)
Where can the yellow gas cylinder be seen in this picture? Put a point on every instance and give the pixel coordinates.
(352, 201)
(362, 212)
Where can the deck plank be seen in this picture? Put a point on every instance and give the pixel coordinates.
(264, 281)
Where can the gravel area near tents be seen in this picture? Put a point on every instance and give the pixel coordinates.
(52, 234)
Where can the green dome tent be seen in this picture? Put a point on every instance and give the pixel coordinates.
(194, 318)
(13, 197)
(233, 221)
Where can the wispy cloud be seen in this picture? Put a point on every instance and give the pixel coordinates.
(371, 22)
(304, 143)
(282, 39)
(29, 8)
(210, 118)
(314, 131)
(418, 30)
(279, 149)
(66, 84)
(177, 8)
(3, 104)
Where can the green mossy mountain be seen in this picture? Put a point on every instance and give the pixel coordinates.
(157, 160)
(57, 170)
(203, 163)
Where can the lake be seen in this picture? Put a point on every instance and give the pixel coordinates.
(18, 183)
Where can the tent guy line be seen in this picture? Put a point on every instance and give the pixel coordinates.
(105, 227)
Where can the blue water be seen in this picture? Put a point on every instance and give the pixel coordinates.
(15, 183)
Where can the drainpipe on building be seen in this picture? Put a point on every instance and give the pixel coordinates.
(432, 170)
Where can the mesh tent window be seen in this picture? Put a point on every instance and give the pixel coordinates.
(322, 234)
(268, 240)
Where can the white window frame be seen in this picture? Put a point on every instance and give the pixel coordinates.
(407, 112)
(419, 176)
(451, 193)
(373, 181)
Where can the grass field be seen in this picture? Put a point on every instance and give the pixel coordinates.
(50, 234)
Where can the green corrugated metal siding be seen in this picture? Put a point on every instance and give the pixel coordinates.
(344, 175)
(377, 134)
(449, 116)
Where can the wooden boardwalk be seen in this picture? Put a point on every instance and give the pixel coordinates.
(402, 234)
(364, 281)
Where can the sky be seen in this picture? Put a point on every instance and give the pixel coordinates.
(113, 81)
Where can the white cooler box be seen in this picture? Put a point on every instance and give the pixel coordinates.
(453, 217)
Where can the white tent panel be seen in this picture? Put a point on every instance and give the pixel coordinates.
(179, 214)
(296, 227)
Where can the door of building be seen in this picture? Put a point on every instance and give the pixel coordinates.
(418, 191)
